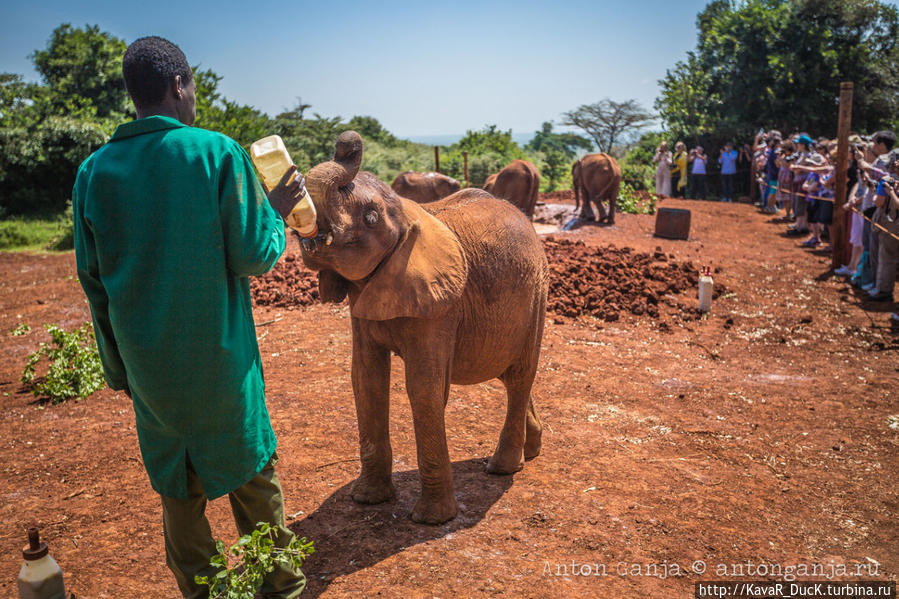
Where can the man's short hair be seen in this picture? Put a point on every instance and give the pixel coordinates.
(887, 138)
(149, 66)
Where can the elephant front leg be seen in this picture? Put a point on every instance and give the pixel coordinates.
(371, 389)
(427, 382)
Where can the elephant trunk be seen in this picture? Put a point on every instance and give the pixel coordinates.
(323, 179)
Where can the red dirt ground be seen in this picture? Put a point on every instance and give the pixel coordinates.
(760, 433)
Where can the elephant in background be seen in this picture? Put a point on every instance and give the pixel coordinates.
(519, 183)
(596, 178)
(457, 288)
(424, 187)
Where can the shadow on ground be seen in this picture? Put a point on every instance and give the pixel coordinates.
(578, 222)
(350, 537)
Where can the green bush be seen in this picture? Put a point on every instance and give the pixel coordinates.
(631, 202)
(256, 556)
(386, 162)
(13, 235)
(52, 232)
(637, 175)
(38, 163)
(74, 371)
(21, 329)
(66, 238)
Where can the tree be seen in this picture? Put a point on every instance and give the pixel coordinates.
(310, 141)
(47, 130)
(83, 68)
(489, 140)
(567, 144)
(683, 103)
(372, 130)
(242, 123)
(14, 96)
(555, 165)
(779, 64)
(608, 121)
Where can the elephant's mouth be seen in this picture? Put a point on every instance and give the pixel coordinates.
(313, 245)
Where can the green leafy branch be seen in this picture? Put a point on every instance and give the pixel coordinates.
(20, 330)
(243, 566)
(75, 370)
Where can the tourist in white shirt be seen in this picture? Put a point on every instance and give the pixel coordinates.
(663, 172)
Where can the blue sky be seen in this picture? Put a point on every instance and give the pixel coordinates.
(421, 68)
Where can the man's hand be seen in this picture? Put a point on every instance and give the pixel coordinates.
(286, 195)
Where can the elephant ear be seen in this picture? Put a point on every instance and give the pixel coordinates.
(332, 287)
(423, 277)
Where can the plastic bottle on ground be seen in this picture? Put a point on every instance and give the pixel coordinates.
(706, 286)
(40, 576)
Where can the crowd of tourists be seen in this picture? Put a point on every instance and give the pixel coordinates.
(797, 175)
(796, 178)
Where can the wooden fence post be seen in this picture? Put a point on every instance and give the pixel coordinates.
(437, 159)
(465, 166)
(838, 229)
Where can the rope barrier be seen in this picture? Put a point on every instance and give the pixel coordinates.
(831, 200)
(799, 193)
(873, 224)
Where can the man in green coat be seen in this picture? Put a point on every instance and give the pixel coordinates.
(170, 221)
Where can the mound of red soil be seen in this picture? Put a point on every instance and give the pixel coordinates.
(288, 285)
(557, 196)
(584, 280)
(605, 281)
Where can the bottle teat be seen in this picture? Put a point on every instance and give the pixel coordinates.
(36, 548)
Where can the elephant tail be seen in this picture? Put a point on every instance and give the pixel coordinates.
(577, 188)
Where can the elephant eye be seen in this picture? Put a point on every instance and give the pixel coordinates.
(371, 217)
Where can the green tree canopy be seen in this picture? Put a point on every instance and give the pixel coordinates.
(568, 144)
(242, 123)
(82, 68)
(608, 122)
(779, 64)
(489, 140)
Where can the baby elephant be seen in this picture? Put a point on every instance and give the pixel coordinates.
(424, 187)
(456, 288)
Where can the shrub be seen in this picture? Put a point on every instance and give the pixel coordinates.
(256, 556)
(635, 202)
(638, 176)
(66, 238)
(20, 330)
(75, 370)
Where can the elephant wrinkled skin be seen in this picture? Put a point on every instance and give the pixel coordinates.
(456, 288)
(596, 178)
(424, 187)
(518, 183)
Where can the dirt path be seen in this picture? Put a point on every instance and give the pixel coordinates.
(758, 434)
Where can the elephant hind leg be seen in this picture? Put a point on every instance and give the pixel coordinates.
(520, 437)
(601, 214)
(612, 194)
(533, 433)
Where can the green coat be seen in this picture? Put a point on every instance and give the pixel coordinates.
(169, 223)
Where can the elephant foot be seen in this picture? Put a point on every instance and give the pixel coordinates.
(366, 491)
(434, 511)
(505, 462)
(532, 446)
